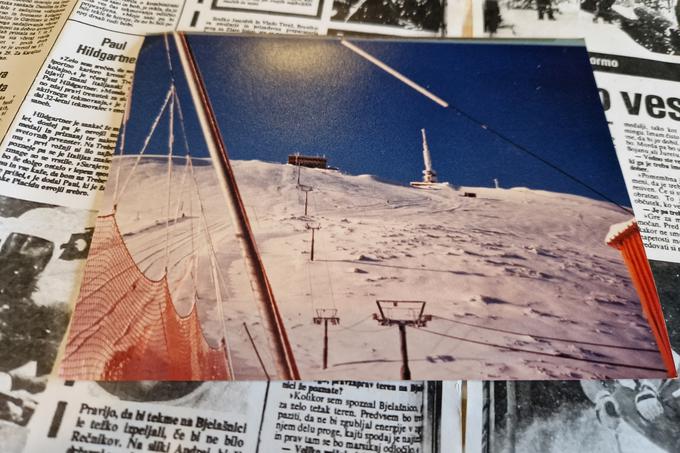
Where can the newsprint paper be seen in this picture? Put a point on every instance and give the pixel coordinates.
(230, 417)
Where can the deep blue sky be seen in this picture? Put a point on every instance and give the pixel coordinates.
(278, 96)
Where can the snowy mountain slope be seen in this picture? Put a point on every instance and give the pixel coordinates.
(519, 282)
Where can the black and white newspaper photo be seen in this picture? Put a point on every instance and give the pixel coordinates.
(528, 18)
(616, 416)
(667, 277)
(42, 252)
(622, 416)
(641, 28)
(645, 28)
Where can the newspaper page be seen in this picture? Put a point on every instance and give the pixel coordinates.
(589, 416)
(426, 18)
(246, 417)
(28, 32)
(640, 99)
(639, 28)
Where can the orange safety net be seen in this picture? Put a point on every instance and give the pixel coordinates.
(125, 326)
(629, 242)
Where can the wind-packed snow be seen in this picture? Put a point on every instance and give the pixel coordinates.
(519, 282)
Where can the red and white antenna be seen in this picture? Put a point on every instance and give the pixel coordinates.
(429, 175)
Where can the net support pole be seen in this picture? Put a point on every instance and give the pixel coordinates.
(325, 343)
(405, 370)
(282, 353)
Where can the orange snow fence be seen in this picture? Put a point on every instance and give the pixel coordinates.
(125, 326)
(626, 238)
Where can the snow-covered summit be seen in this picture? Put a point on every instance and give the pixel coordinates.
(520, 282)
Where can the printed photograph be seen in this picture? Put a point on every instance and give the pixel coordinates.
(540, 18)
(333, 209)
(667, 278)
(425, 15)
(650, 24)
(42, 251)
(619, 416)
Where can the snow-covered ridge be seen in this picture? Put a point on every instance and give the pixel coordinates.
(519, 281)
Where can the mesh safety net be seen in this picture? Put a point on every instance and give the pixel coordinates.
(125, 326)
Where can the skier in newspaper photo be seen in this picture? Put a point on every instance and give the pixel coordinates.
(627, 25)
(651, 24)
(492, 16)
(535, 18)
(545, 7)
(409, 14)
(650, 406)
(602, 10)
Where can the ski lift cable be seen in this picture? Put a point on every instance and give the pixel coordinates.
(145, 145)
(218, 278)
(356, 323)
(374, 330)
(167, 56)
(308, 265)
(171, 142)
(483, 125)
(543, 337)
(194, 260)
(328, 274)
(214, 268)
(541, 159)
(182, 191)
(187, 153)
(311, 292)
(559, 355)
(330, 285)
(126, 118)
(223, 280)
(182, 186)
(180, 114)
(203, 220)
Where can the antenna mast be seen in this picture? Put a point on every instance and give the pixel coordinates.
(429, 175)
